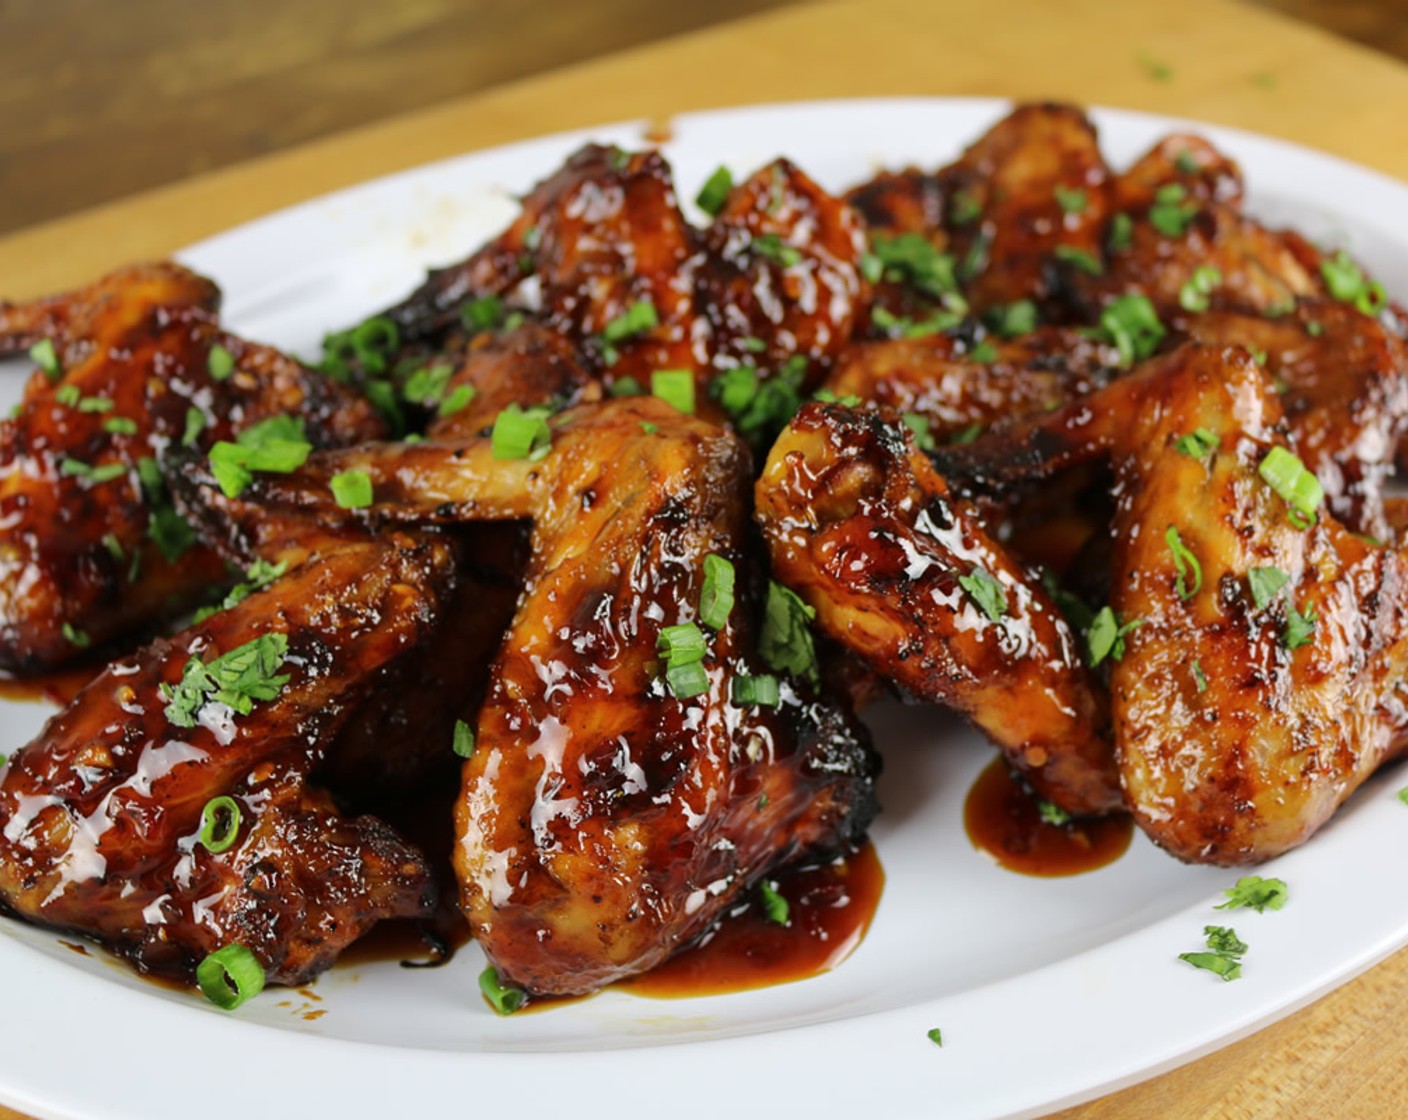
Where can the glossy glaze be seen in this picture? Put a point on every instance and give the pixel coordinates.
(606, 232)
(860, 524)
(1250, 754)
(102, 811)
(604, 822)
(78, 564)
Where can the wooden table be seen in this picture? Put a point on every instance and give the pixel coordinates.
(1345, 1056)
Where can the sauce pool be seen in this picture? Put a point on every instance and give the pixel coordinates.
(829, 910)
(1003, 818)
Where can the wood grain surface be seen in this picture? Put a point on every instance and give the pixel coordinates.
(1345, 1056)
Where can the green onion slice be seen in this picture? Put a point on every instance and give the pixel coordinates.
(674, 387)
(1300, 489)
(503, 998)
(230, 976)
(716, 597)
(774, 905)
(521, 433)
(1190, 572)
(219, 824)
(221, 363)
(351, 489)
(43, 354)
(714, 193)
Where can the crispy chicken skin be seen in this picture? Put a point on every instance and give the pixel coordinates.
(604, 822)
(1235, 744)
(88, 551)
(861, 526)
(100, 816)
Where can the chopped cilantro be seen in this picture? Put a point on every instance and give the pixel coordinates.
(786, 641)
(1300, 628)
(985, 590)
(909, 258)
(1255, 893)
(260, 575)
(1264, 583)
(236, 679)
(1105, 637)
(774, 905)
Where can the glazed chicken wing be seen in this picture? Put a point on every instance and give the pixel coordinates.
(1258, 661)
(166, 811)
(1343, 377)
(861, 526)
(91, 548)
(609, 813)
(958, 389)
(1177, 211)
(1037, 181)
(603, 255)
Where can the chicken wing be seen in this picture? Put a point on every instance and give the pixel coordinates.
(1343, 377)
(91, 548)
(166, 811)
(1040, 189)
(1258, 647)
(1176, 212)
(957, 389)
(861, 526)
(608, 817)
(603, 255)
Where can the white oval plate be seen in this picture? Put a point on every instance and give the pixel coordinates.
(1047, 991)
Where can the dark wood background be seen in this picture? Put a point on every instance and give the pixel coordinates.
(100, 99)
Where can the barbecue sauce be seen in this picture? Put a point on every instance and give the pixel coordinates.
(1003, 818)
(829, 910)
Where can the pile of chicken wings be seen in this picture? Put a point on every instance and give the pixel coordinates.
(595, 544)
